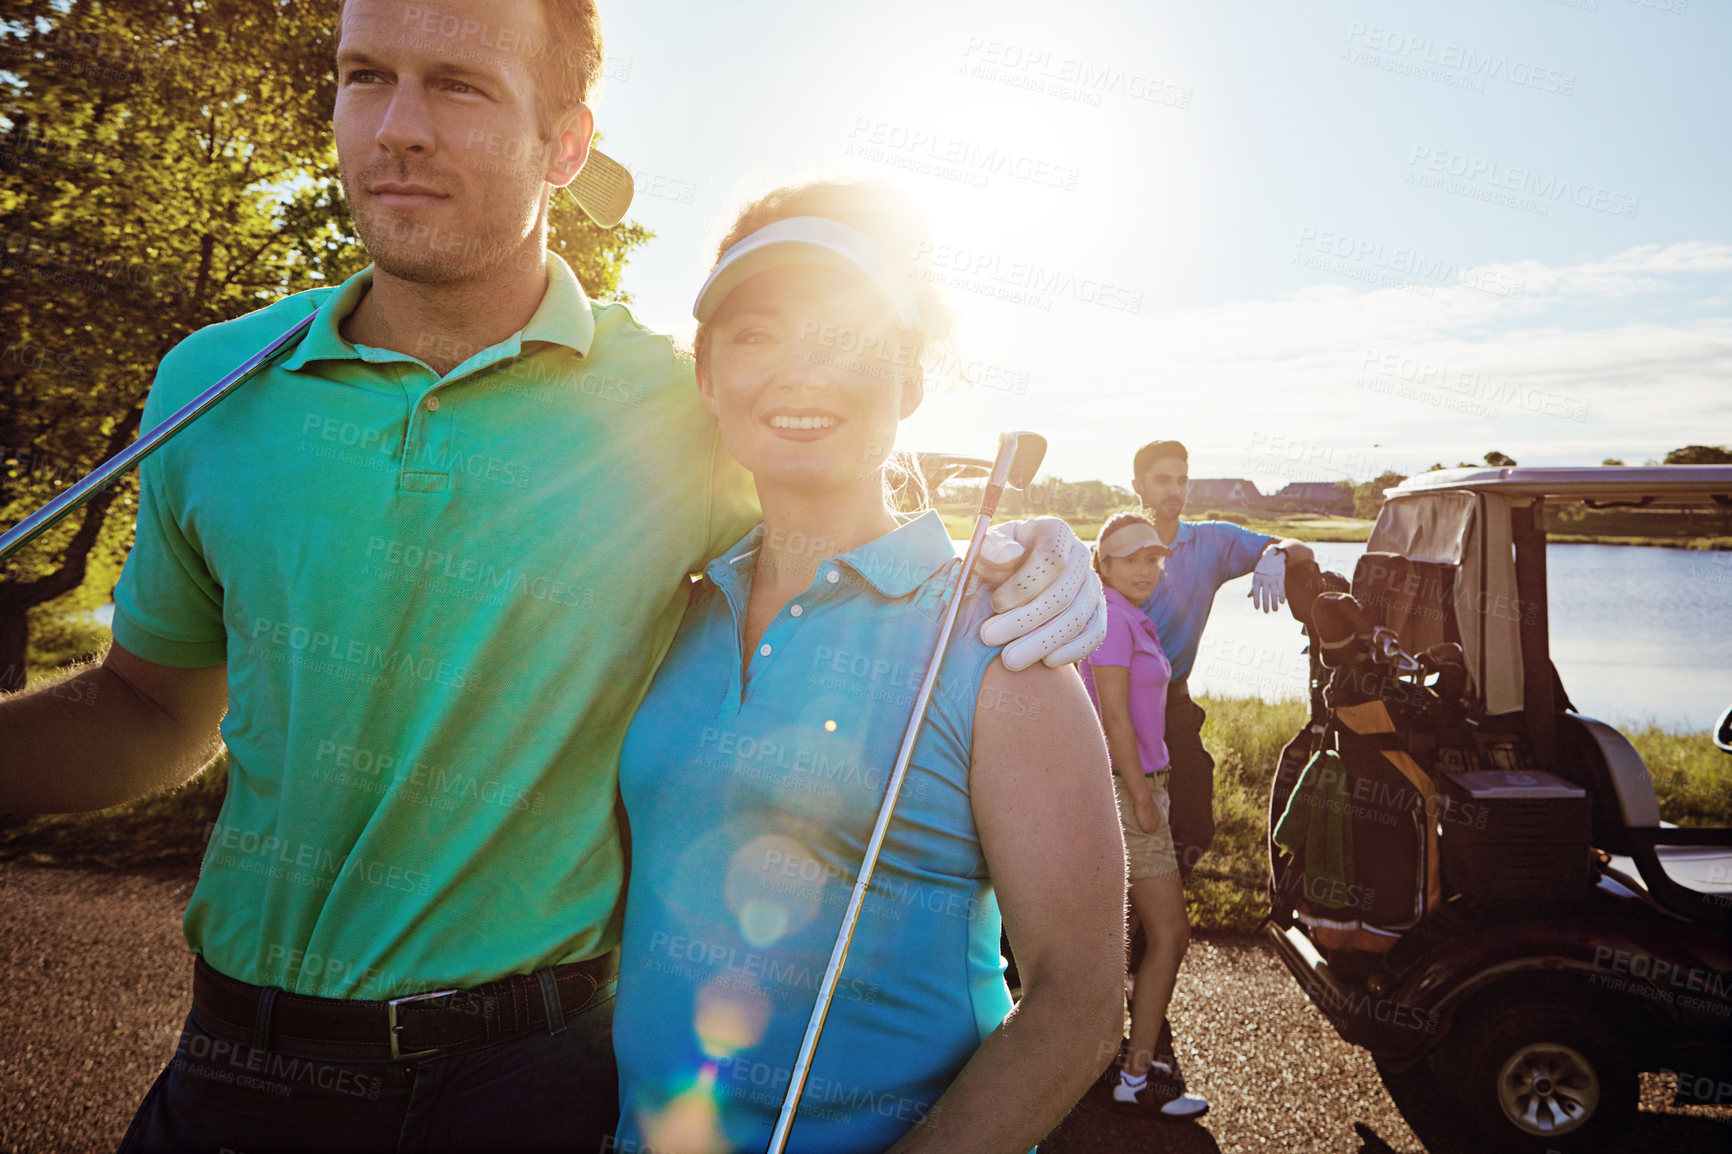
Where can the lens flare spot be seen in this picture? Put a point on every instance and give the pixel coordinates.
(690, 1122)
(763, 923)
(829, 727)
(731, 1016)
(773, 887)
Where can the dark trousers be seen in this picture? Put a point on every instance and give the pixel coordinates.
(1191, 785)
(538, 1091)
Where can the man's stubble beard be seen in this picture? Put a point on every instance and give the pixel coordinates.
(440, 255)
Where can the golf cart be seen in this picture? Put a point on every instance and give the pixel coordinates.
(1469, 878)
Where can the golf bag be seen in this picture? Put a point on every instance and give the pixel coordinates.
(1356, 838)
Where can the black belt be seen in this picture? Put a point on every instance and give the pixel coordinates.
(412, 1026)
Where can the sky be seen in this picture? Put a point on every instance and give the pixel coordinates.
(1313, 242)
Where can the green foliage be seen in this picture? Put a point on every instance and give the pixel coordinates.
(1246, 736)
(1700, 455)
(61, 639)
(164, 165)
(1499, 460)
(1221, 515)
(1054, 496)
(1692, 777)
(597, 255)
(1368, 496)
(1696, 528)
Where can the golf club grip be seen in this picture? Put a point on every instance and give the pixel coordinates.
(147, 443)
(989, 501)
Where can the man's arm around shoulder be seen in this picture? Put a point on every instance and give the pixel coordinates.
(107, 734)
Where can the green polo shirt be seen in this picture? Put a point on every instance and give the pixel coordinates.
(440, 600)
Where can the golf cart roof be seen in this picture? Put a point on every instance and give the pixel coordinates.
(1464, 519)
(1691, 484)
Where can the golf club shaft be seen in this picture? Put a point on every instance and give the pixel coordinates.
(104, 474)
(886, 809)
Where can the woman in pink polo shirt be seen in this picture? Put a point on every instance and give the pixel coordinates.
(1127, 680)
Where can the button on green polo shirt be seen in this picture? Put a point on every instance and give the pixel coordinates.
(440, 600)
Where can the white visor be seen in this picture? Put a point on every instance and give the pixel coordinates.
(1129, 538)
(807, 240)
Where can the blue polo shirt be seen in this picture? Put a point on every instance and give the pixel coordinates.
(1206, 555)
(751, 795)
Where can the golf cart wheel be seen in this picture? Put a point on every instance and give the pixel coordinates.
(1541, 1074)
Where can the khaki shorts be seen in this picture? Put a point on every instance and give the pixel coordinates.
(1151, 855)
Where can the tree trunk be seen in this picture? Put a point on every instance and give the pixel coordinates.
(17, 598)
(14, 645)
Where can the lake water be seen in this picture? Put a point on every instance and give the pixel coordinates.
(1638, 634)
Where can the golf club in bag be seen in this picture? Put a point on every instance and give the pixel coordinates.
(1019, 457)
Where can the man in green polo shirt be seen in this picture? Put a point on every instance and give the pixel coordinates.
(427, 563)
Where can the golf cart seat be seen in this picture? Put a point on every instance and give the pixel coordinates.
(1602, 761)
(1686, 871)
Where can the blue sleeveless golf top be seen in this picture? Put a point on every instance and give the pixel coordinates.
(750, 801)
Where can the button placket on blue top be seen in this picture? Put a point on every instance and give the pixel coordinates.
(797, 612)
(733, 576)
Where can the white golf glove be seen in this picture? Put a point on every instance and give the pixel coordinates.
(1052, 608)
(1269, 581)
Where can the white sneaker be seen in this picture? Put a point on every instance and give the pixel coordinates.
(1160, 1096)
(1185, 1108)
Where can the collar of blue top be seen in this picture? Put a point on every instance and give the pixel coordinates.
(895, 564)
(562, 318)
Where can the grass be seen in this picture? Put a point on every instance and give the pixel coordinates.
(167, 829)
(1705, 544)
(1692, 779)
(1245, 735)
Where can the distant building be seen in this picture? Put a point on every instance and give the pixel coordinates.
(1222, 493)
(1312, 497)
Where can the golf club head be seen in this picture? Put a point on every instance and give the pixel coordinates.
(1028, 451)
(603, 189)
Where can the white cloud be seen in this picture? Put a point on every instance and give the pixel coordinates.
(1622, 356)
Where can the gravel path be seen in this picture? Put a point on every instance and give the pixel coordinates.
(73, 1066)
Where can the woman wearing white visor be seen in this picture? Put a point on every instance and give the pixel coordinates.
(754, 769)
(1127, 678)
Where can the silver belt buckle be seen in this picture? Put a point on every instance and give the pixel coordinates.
(395, 1029)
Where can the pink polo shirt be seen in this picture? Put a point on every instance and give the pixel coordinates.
(1131, 643)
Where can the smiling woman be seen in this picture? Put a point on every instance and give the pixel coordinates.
(754, 770)
(872, 343)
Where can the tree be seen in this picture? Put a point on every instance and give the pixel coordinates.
(1368, 495)
(164, 164)
(1499, 460)
(1700, 455)
(1611, 461)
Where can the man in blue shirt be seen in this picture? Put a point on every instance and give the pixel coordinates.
(1206, 555)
